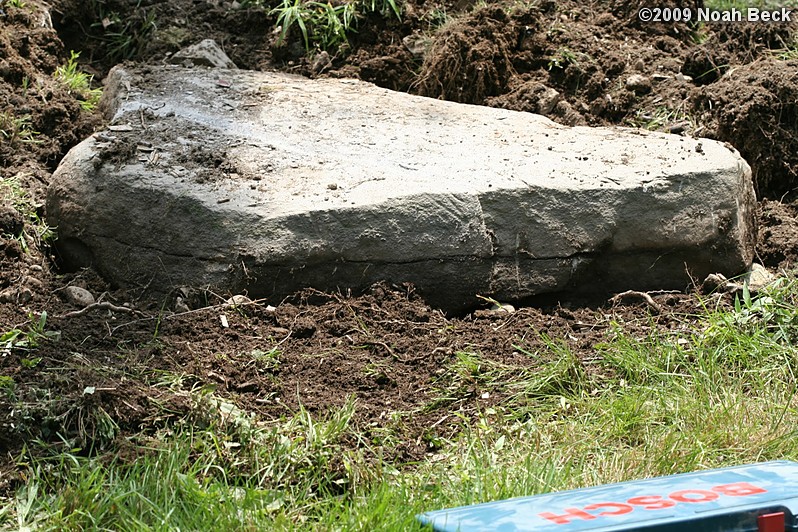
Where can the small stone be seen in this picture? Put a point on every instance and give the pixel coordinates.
(417, 45)
(204, 53)
(238, 299)
(548, 100)
(78, 296)
(758, 278)
(638, 84)
(8, 295)
(714, 282)
(11, 221)
(502, 307)
(24, 296)
(180, 305)
(320, 62)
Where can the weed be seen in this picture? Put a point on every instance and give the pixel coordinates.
(563, 57)
(290, 13)
(78, 83)
(27, 339)
(7, 385)
(124, 38)
(324, 25)
(266, 360)
(663, 118)
(384, 8)
(35, 228)
(15, 129)
(30, 363)
(435, 18)
(331, 23)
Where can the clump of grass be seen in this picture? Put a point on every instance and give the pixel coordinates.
(325, 26)
(663, 118)
(124, 35)
(15, 129)
(563, 57)
(78, 83)
(27, 339)
(35, 227)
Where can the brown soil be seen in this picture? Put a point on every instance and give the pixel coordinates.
(578, 63)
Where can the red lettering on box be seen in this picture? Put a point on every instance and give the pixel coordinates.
(651, 502)
(739, 489)
(570, 513)
(620, 508)
(687, 496)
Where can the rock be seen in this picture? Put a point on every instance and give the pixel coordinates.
(638, 83)
(204, 53)
(417, 45)
(238, 299)
(8, 295)
(714, 282)
(78, 296)
(548, 100)
(502, 308)
(321, 62)
(758, 278)
(456, 199)
(24, 296)
(11, 221)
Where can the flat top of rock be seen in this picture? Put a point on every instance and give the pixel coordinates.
(327, 143)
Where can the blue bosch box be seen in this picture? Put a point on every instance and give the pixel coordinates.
(758, 498)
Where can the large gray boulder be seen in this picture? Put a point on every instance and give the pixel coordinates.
(268, 183)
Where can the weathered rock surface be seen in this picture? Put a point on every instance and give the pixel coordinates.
(265, 183)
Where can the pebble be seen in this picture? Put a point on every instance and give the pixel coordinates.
(78, 296)
(238, 299)
(714, 282)
(24, 296)
(503, 307)
(638, 83)
(758, 278)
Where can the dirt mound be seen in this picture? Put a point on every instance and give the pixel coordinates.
(755, 108)
(470, 59)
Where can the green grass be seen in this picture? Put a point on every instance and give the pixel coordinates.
(720, 391)
(78, 83)
(322, 25)
(35, 228)
(16, 129)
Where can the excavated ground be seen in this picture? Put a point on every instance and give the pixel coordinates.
(578, 63)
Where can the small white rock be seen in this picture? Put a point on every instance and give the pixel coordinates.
(503, 307)
(238, 299)
(78, 296)
(758, 278)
